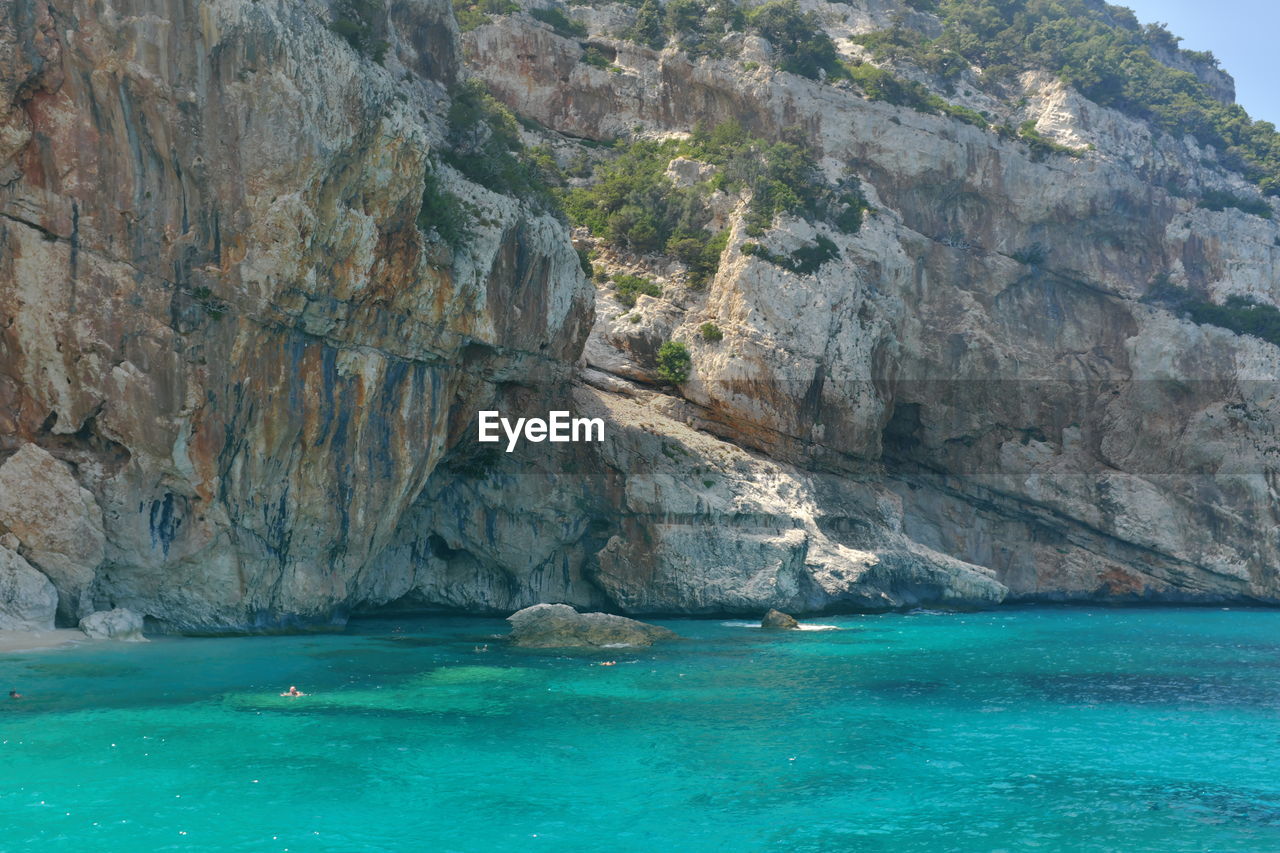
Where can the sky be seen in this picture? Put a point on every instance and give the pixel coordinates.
(1241, 33)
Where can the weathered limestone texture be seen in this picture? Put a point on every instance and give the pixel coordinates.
(27, 598)
(239, 383)
(779, 620)
(118, 624)
(57, 521)
(980, 358)
(217, 308)
(557, 626)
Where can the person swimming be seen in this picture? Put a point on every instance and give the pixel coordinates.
(13, 694)
(293, 691)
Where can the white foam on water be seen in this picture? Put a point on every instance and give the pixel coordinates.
(802, 626)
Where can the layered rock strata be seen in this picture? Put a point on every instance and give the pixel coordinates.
(218, 314)
(238, 382)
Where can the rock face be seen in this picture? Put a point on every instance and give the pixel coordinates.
(238, 382)
(983, 374)
(57, 520)
(27, 598)
(216, 304)
(118, 624)
(554, 626)
(778, 619)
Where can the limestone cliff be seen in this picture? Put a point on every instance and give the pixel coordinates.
(219, 313)
(239, 374)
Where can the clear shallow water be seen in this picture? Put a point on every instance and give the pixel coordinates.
(1039, 729)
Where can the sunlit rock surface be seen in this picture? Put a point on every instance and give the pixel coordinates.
(248, 381)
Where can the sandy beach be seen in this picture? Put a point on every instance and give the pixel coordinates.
(24, 641)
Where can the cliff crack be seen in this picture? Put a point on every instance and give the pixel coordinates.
(48, 235)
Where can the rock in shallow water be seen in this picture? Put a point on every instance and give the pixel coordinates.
(118, 624)
(552, 626)
(778, 619)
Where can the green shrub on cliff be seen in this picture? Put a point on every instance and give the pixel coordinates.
(698, 27)
(442, 212)
(1041, 146)
(674, 362)
(484, 145)
(1106, 54)
(805, 260)
(1240, 314)
(635, 205)
(358, 21)
(1221, 200)
(629, 287)
(475, 13)
(699, 253)
(899, 43)
(801, 44)
(560, 22)
(881, 85)
(648, 28)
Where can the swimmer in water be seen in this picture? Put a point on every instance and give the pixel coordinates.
(293, 691)
(480, 649)
(13, 694)
(609, 663)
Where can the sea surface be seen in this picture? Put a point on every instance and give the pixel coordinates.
(1030, 729)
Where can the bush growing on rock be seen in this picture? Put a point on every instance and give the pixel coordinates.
(1042, 147)
(710, 332)
(357, 21)
(698, 27)
(1239, 314)
(484, 145)
(442, 212)
(699, 253)
(674, 362)
(593, 57)
(560, 22)
(798, 38)
(805, 260)
(648, 29)
(881, 85)
(1104, 53)
(634, 204)
(1221, 200)
(898, 43)
(631, 286)
(476, 14)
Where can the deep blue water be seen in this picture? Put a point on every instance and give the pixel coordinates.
(1035, 729)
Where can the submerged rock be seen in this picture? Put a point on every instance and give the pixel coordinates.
(118, 624)
(778, 619)
(551, 626)
(28, 600)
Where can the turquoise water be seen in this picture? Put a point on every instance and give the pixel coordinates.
(1037, 729)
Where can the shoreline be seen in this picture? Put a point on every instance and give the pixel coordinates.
(61, 638)
(27, 641)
